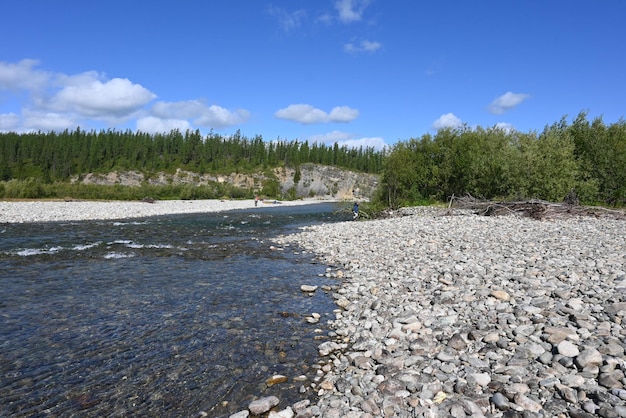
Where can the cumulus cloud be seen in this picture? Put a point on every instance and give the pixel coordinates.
(22, 76)
(374, 142)
(88, 95)
(9, 122)
(208, 116)
(57, 101)
(507, 127)
(351, 10)
(218, 117)
(344, 138)
(188, 109)
(506, 102)
(363, 46)
(307, 114)
(47, 121)
(448, 120)
(153, 125)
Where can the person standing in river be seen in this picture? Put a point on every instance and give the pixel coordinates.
(355, 211)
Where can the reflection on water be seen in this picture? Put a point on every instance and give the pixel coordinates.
(164, 316)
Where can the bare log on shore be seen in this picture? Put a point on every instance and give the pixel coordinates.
(536, 209)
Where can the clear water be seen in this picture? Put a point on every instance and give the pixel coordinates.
(164, 316)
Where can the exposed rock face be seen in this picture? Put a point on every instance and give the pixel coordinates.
(322, 180)
(315, 180)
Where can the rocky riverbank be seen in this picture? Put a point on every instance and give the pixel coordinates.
(464, 315)
(50, 211)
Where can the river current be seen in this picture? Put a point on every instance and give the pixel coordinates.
(169, 316)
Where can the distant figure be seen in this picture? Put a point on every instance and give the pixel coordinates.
(256, 200)
(355, 211)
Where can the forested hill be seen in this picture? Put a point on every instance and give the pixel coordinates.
(585, 158)
(57, 157)
(84, 165)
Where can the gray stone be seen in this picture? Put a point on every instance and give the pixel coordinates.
(481, 379)
(526, 403)
(588, 357)
(567, 349)
(612, 380)
(262, 405)
(572, 380)
(425, 315)
(500, 401)
(567, 393)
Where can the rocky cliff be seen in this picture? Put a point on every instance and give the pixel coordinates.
(315, 181)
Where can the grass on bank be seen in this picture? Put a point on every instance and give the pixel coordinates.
(35, 189)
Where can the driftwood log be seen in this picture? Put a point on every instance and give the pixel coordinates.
(536, 209)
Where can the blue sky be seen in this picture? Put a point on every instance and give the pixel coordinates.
(357, 72)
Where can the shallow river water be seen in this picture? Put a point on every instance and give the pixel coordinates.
(173, 316)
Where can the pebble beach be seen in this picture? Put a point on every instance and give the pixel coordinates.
(460, 315)
(50, 211)
(446, 314)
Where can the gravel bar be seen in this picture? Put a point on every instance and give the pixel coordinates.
(462, 315)
(49, 211)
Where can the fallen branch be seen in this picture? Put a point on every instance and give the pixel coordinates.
(536, 209)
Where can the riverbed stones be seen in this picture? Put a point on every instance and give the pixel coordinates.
(263, 405)
(308, 288)
(568, 349)
(505, 316)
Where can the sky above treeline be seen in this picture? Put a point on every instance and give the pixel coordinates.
(356, 72)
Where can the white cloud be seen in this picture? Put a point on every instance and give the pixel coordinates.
(507, 127)
(87, 95)
(375, 142)
(47, 121)
(56, 101)
(9, 122)
(152, 125)
(288, 20)
(218, 117)
(307, 114)
(344, 138)
(330, 137)
(448, 120)
(363, 46)
(209, 116)
(506, 102)
(351, 10)
(182, 110)
(22, 76)
(343, 114)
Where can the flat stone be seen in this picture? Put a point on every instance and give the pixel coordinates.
(262, 405)
(526, 403)
(589, 357)
(481, 379)
(567, 349)
(612, 380)
(276, 379)
(500, 295)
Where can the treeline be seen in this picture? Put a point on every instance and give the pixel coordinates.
(57, 157)
(587, 157)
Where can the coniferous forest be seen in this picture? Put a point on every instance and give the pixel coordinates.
(36, 165)
(587, 157)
